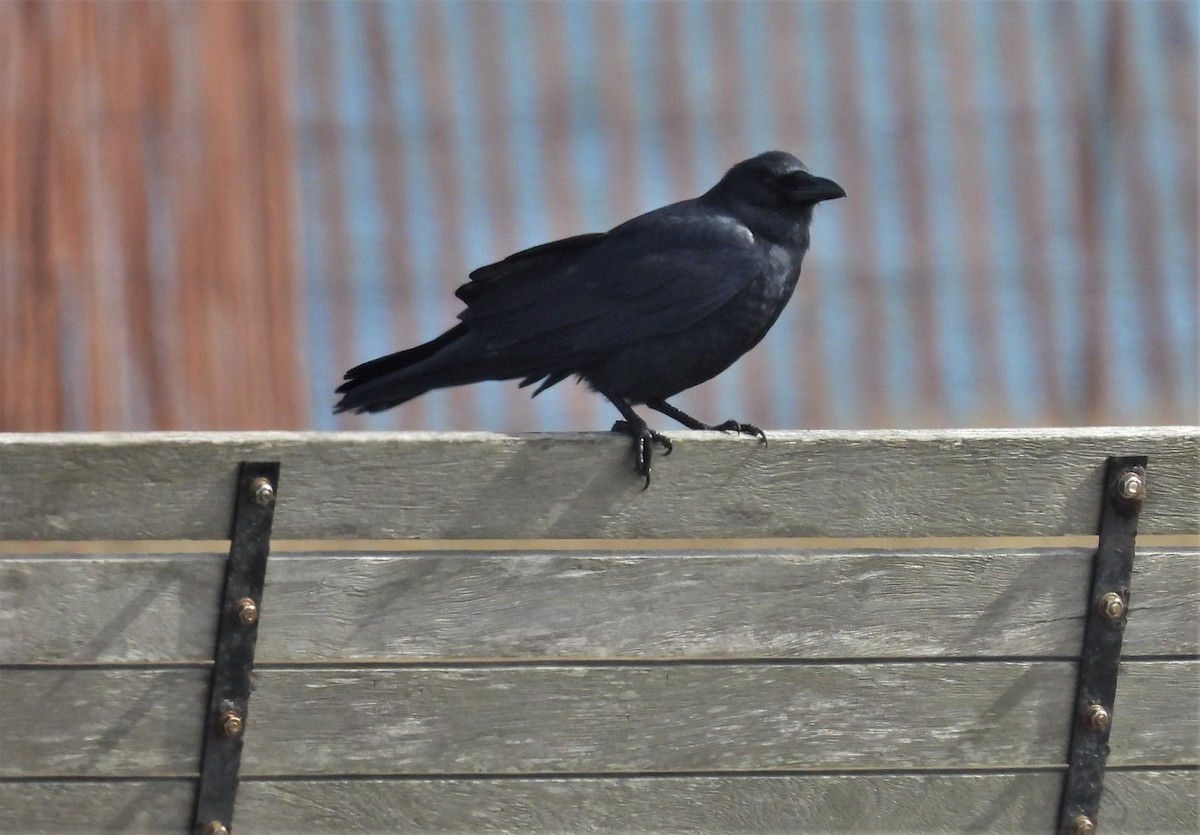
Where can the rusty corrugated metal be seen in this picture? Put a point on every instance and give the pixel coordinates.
(147, 270)
(1018, 247)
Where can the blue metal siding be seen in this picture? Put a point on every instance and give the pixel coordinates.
(1018, 244)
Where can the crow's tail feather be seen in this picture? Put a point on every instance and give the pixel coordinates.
(389, 381)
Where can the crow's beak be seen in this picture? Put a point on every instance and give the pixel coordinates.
(817, 189)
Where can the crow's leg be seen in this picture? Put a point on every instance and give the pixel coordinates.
(644, 438)
(691, 423)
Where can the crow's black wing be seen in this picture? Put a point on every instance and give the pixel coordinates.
(535, 260)
(653, 276)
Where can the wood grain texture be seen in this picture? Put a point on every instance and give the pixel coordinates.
(1025, 482)
(571, 719)
(511, 720)
(110, 609)
(1135, 801)
(592, 606)
(76, 806)
(1158, 802)
(101, 722)
(627, 718)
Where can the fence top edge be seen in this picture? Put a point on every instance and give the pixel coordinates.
(1017, 434)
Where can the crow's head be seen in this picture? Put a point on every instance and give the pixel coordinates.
(775, 180)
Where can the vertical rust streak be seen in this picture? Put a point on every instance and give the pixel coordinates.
(100, 298)
(617, 108)
(136, 404)
(867, 327)
(209, 337)
(1076, 84)
(674, 105)
(11, 81)
(727, 83)
(499, 195)
(554, 117)
(494, 114)
(562, 201)
(728, 91)
(241, 312)
(39, 346)
(63, 217)
(387, 147)
(185, 152)
(972, 198)
(435, 82)
(785, 80)
(66, 218)
(275, 160)
(161, 335)
(337, 267)
(914, 177)
(219, 239)
(1142, 210)
(1179, 56)
(1025, 172)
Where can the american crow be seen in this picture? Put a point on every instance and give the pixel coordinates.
(655, 306)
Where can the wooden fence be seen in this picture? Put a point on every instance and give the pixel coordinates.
(480, 633)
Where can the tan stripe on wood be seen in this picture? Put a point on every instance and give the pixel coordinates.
(807, 604)
(475, 485)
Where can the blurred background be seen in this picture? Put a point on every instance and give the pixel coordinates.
(209, 210)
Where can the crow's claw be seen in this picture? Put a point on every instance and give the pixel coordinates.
(742, 429)
(644, 439)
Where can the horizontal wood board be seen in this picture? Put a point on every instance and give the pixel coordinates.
(1134, 801)
(592, 606)
(593, 719)
(102, 722)
(1028, 482)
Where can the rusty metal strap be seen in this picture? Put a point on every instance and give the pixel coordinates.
(237, 633)
(1108, 607)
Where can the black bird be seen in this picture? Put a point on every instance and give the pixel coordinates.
(655, 306)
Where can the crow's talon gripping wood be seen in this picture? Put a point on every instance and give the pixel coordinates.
(742, 429)
(644, 439)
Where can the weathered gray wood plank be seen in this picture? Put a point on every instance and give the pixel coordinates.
(103, 722)
(1157, 802)
(1151, 801)
(749, 605)
(530, 719)
(146, 608)
(463, 606)
(450, 486)
(704, 717)
(73, 806)
(1139, 801)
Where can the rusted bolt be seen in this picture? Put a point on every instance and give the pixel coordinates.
(214, 828)
(230, 723)
(261, 491)
(1132, 486)
(1111, 605)
(1096, 718)
(245, 611)
(1082, 825)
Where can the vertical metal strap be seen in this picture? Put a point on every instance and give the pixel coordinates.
(1108, 607)
(237, 633)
